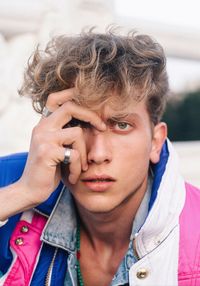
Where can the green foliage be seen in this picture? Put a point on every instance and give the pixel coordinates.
(183, 117)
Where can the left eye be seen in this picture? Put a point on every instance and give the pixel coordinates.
(122, 125)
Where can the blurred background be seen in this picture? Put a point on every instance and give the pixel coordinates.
(174, 23)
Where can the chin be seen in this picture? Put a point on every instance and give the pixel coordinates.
(99, 210)
(97, 206)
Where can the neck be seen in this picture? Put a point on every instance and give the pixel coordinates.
(113, 228)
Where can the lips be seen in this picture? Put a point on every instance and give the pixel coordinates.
(100, 178)
(98, 183)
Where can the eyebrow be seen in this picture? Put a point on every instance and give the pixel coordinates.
(121, 116)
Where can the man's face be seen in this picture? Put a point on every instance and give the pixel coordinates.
(118, 159)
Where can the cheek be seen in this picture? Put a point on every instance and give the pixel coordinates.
(137, 161)
(133, 154)
(135, 169)
(136, 145)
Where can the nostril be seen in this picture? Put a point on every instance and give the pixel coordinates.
(98, 161)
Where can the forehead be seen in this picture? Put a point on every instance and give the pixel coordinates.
(112, 103)
(114, 98)
(118, 109)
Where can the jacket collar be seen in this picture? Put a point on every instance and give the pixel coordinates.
(61, 227)
(169, 197)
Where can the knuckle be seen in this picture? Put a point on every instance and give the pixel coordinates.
(43, 150)
(52, 98)
(37, 135)
(68, 104)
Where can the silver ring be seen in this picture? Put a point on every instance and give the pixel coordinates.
(67, 156)
(46, 112)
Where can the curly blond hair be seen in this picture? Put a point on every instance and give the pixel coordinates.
(96, 64)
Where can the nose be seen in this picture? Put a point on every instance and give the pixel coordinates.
(98, 147)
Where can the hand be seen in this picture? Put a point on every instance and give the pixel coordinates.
(42, 171)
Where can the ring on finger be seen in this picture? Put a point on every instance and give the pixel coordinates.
(67, 156)
(46, 112)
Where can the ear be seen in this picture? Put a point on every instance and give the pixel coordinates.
(159, 137)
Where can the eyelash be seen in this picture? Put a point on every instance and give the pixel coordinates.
(112, 124)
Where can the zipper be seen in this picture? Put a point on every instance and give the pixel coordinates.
(47, 280)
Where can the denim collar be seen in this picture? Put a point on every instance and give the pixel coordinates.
(61, 226)
(60, 230)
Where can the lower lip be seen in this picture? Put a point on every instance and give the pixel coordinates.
(98, 186)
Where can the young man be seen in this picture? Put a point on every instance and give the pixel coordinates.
(99, 199)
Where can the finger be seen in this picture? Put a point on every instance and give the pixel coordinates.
(69, 109)
(73, 169)
(57, 99)
(74, 138)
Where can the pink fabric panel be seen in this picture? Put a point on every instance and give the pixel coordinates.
(22, 269)
(189, 249)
